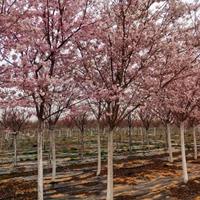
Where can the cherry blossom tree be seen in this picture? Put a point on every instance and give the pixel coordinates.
(164, 113)
(184, 97)
(55, 108)
(130, 127)
(14, 120)
(126, 52)
(39, 52)
(193, 121)
(97, 108)
(121, 55)
(146, 116)
(79, 114)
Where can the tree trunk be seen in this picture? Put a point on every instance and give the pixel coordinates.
(154, 131)
(40, 164)
(71, 133)
(147, 138)
(195, 142)
(91, 132)
(99, 152)
(78, 137)
(43, 140)
(143, 140)
(110, 167)
(53, 154)
(82, 144)
(15, 148)
(120, 138)
(143, 136)
(169, 143)
(184, 164)
(130, 138)
(1, 145)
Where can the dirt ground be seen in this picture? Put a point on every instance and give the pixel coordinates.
(134, 178)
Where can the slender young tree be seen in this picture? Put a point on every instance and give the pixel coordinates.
(130, 128)
(55, 109)
(162, 110)
(15, 119)
(146, 116)
(97, 109)
(184, 97)
(193, 121)
(79, 115)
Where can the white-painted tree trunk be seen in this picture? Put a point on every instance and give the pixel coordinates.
(130, 139)
(7, 136)
(154, 131)
(1, 144)
(195, 142)
(15, 148)
(121, 137)
(110, 167)
(43, 141)
(82, 145)
(40, 164)
(99, 153)
(142, 136)
(70, 133)
(184, 163)
(147, 139)
(53, 153)
(50, 149)
(169, 143)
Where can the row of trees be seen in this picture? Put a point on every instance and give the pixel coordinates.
(110, 57)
